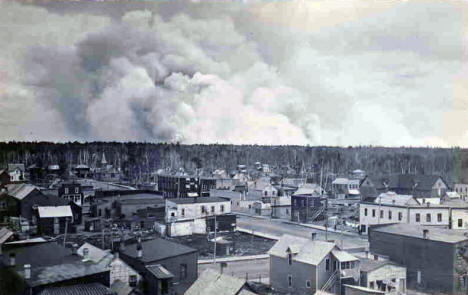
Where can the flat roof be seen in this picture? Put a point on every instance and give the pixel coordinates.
(158, 249)
(198, 200)
(416, 231)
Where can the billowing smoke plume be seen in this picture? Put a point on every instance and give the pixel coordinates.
(218, 78)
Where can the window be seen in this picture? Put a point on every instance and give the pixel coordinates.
(183, 271)
(327, 264)
(289, 280)
(373, 212)
(183, 212)
(460, 222)
(418, 217)
(400, 216)
(419, 277)
(428, 217)
(222, 208)
(308, 284)
(365, 212)
(266, 193)
(290, 259)
(132, 280)
(389, 214)
(372, 285)
(212, 209)
(77, 190)
(381, 213)
(172, 214)
(439, 217)
(203, 209)
(66, 190)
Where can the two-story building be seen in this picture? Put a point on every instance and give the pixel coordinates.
(408, 184)
(389, 208)
(165, 267)
(187, 216)
(71, 191)
(305, 266)
(436, 259)
(345, 188)
(182, 186)
(16, 172)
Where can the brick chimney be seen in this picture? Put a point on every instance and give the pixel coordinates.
(85, 253)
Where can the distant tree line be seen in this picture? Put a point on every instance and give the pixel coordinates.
(137, 159)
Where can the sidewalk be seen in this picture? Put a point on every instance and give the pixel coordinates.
(235, 258)
(318, 227)
(257, 233)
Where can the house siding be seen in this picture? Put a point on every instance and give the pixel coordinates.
(435, 260)
(300, 272)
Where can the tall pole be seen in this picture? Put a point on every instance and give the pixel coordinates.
(66, 229)
(214, 251)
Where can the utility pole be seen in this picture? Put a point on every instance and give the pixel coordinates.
(214, 251)
(66, 229)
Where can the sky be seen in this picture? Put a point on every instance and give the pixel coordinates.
(388, 73)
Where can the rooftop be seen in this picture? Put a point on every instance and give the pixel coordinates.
(198, 200)
(54, 211)
(13, 167)
(306, 250)
(79, 289)
(211, 282)
(157, 249)
(372, 264)
(5, 234)
(159, 271)
(20, 191)
(416, 231)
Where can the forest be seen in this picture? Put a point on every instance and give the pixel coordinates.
(136, 159)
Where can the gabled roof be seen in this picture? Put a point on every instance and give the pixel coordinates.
(95, 254)
(13, 167)
(5, 234)
(158, 249)
(78, 289)
(308, 189)
(343, 256)
(392, 198)
(406, 181)
(310, 251)
(367, 265)
(211, 282)
(20, 191)
(159, 271)
(341, 180)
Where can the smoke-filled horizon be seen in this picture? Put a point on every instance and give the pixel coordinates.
(296, 72)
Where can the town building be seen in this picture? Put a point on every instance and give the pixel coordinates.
(22, 200)
(16, 172)
(73, 192)
(183, 186)
(436, 259)
(54, 220)
(119, 270)
(42, 265)
(344, 188)
(305, 266)
(165, 267)
(425, 186)
(307, 207)
(4, 178)
(389, 208)
(188, 216)
(461, 189)
(382, 275)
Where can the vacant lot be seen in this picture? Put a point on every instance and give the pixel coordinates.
(244, 244)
